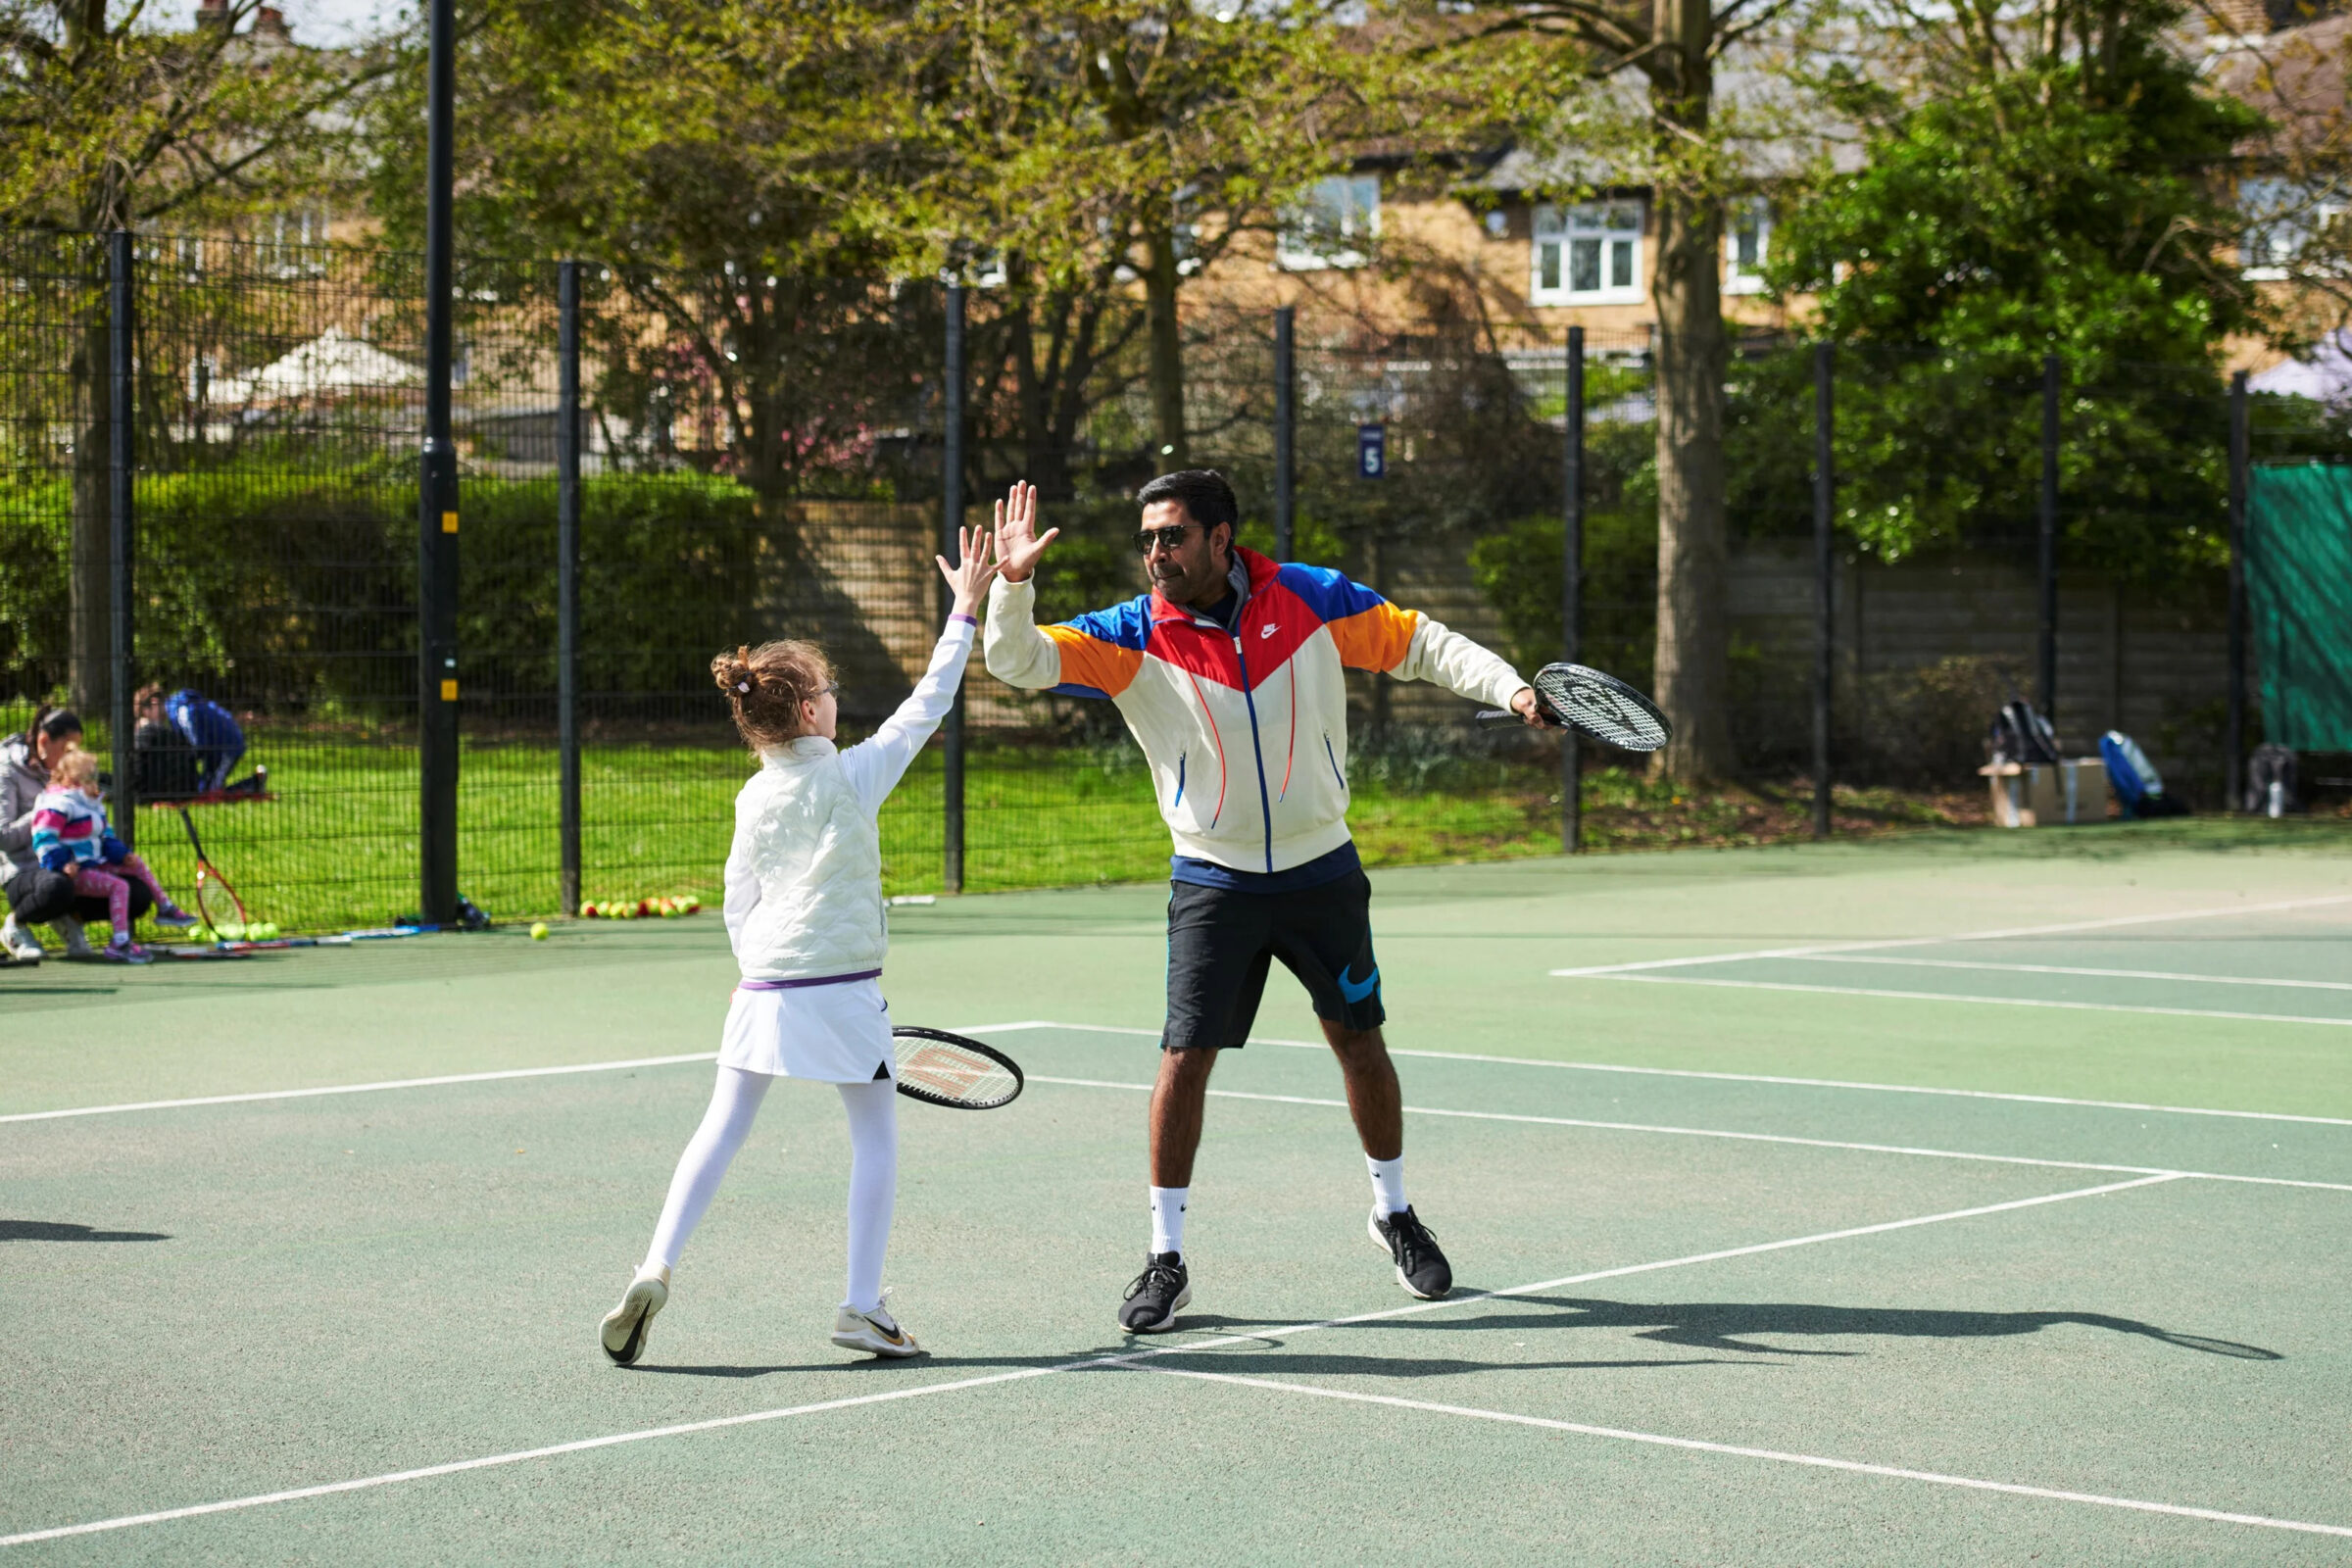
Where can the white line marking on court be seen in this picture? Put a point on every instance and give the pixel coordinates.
(1735, 1450)
(684, 1429)
(2061, 968)
(2154, 1172)
(1986, 1002)
(363, 1089)
(435, 1083)
(1812, 949)
(1739, 1077)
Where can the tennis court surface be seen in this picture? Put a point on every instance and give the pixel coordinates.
(1965, 1198)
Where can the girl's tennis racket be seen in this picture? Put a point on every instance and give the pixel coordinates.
(215, 899)
(939, 1069)
(1600, 706)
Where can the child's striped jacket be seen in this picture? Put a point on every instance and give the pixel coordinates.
(1246, 732)
(68, 828)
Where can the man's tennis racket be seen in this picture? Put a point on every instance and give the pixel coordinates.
(215, 899)
(1570, 696)
(939, 1069)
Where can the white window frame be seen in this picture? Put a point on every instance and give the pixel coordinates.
(1613, 230)
(1750, 216)
(2284, 219)
(1311, 238)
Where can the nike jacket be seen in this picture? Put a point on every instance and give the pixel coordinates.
(1246, 732)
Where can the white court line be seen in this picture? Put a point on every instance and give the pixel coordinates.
(432, 1083)
(2070, 927)
(2163, 1172)
(1988, 1001)
(2062, 968)
(362, 1089)
(684, 1429)
(1731, 1077)
(1814, 1461)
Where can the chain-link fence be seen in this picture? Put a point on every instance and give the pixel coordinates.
(761, 456)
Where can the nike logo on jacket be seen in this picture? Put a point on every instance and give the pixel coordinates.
(1247, 734)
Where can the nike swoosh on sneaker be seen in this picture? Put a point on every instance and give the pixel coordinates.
(1353, 990)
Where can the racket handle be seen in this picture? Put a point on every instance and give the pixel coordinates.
(1498, 715)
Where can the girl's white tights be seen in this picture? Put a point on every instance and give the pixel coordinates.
(873, 1112)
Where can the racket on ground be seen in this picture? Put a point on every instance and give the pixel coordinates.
(215, 899)
(939, 1069)
(1570, 696)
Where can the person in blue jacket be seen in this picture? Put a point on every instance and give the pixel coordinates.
(215, 741)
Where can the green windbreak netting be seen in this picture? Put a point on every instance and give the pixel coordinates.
(2299, 591)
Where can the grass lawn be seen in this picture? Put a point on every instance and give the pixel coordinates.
(337, 845)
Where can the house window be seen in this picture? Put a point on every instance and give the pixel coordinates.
(1332, 226)
(1589, 254)
(2283, 219)
(1746, 242)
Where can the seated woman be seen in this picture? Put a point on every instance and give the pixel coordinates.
(162, 761)
(38, 896)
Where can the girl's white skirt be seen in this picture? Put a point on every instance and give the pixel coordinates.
(836, 1034)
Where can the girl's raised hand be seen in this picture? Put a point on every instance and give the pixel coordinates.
(1017, 543)
(968, 578)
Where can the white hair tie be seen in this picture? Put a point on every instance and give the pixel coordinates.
(742, 685)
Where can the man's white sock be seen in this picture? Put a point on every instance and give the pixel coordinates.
(1167, 1218)
(1387, 1184)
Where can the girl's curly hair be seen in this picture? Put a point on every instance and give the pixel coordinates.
(767, 685)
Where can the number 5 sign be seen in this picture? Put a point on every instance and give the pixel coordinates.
(1371, 451)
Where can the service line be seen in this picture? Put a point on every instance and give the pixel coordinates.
(1982, 1001)
(1775, 1455)
(1084, 1363)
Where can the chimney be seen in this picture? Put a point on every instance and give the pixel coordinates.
(212, 13)
(270, 23)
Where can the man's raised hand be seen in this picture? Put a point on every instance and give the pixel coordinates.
(1018, 544)
(969, 575)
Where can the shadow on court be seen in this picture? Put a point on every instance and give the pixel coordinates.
(1734, 1325)
(42, 1230)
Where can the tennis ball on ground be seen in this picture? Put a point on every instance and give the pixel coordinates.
(538, 930)
(587, 910)
(670, 910)
(233, 931)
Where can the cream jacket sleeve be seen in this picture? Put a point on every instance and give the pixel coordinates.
(1017, 653)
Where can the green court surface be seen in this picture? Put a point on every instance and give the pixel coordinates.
(1963, 1199)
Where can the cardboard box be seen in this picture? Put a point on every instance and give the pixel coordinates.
(2047, 794)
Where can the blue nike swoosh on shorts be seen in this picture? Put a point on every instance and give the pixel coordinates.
(1354, 992)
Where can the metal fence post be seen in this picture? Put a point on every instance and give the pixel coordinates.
(1572, 586)
(437, 509)
(1286, 434)
(567, 578)
(1825, 507)
(950, 525)
(121, 477)
(2241, 442)
(2047, 661)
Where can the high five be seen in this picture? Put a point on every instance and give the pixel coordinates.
(1230, 673)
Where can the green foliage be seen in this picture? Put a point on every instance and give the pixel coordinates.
(2068, 208)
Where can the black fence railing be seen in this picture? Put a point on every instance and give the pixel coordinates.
(727, 457)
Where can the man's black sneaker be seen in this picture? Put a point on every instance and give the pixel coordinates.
(1420, 1267)
(1158, 1292)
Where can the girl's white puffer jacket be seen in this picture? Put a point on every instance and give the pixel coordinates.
(803, 894)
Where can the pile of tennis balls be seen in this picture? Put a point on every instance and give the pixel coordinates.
(236, 931)
(641, 908)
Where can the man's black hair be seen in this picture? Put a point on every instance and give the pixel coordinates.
(1203, 492)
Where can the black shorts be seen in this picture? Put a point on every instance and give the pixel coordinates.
(1222, 942)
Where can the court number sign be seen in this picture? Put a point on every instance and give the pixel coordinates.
(1371, 451)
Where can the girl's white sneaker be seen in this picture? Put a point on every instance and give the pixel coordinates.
(876, 1333)
(625, 1327)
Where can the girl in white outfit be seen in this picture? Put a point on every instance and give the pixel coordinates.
(803, 912)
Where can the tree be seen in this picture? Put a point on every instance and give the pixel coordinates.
(1684, 148)
(107, 123)
(2057, 191)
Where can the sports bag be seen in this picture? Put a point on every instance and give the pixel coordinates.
(2136, 782)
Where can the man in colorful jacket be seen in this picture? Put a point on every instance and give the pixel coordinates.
(1230, 673)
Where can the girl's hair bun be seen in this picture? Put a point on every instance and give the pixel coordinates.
(767, 685)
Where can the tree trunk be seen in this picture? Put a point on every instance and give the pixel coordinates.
(89, 646)
(1686, 291)
(1171, 450)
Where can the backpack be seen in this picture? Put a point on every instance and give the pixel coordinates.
(2021, 735)
(2136, 782)
(2271, 780)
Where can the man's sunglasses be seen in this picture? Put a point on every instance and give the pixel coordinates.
(1170, 537)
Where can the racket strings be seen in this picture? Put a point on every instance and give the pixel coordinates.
(956, 1074)
(1600, 712)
